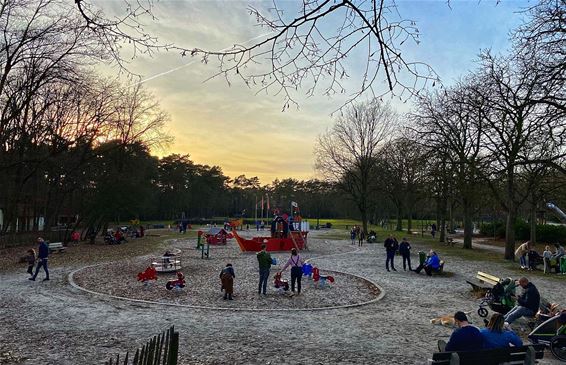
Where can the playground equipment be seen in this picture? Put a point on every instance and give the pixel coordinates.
(148, 275)
(167, 263)
(280, 284)
(217, 236)
(552, 333)
(320, 281)
(557, 210)
(286, 233)
(176, 284)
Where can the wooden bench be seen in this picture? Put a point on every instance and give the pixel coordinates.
(483, 281)
(510, 355)
(56, 246)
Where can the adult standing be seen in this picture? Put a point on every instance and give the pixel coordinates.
(361, 237)
(390, 248)
(433, 230)
(527, 303)
(264, 260)
(494, 336)
(43, 253)
(466, 337)
(353, 234)
(405, 251)
(296, 263)
(522, 252)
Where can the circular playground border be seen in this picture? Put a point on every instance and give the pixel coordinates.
(216, 308)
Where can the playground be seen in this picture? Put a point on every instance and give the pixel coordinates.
(92, 310)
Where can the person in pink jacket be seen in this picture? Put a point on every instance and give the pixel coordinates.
(296, 263)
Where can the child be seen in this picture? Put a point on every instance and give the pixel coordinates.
(30, 258)
(546, 256)
(227, 276)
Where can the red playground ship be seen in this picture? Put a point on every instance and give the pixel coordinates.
(284, 236)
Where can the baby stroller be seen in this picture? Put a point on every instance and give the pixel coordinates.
(552, 333)
(499, 299)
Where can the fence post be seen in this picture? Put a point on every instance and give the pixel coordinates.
(174, 351)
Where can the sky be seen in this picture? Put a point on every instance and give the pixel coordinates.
(246, 132)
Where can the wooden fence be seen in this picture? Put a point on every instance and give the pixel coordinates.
(162, 349)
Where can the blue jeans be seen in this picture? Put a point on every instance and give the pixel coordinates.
(41, 262)
(263, 276)
(390, 258)
(518, 312)
(523, 260)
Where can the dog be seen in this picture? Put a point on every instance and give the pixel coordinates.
(447, 320)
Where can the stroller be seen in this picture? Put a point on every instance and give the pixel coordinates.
(552, 333)
(499, 299)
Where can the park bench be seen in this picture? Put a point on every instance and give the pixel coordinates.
(56, 246)
(510, 355)
(483, 281)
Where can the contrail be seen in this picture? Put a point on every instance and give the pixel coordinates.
(189, 63)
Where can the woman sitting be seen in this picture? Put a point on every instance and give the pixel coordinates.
(494, 336)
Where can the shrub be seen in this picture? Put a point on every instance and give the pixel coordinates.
(546, 233)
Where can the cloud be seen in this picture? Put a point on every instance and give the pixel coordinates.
(245, 133)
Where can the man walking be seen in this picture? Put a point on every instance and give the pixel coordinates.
(527, 303)
(391, 246)
(264, 260)
(43, 253)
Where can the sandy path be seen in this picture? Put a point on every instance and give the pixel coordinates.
(53, 323)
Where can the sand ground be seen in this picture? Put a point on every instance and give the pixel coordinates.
(55, 323)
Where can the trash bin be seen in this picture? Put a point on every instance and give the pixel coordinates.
(422, 257)
(563, 264)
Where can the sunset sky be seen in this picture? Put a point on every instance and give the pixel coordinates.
(245, 133)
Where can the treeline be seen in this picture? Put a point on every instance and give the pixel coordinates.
(489, 147)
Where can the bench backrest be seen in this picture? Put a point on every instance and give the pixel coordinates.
(487, 278)
(509, 355)
(55, 245)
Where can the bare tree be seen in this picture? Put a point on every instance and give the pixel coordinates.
(347, 153)
(305, 50)
(518, 132)
(540, 47)
(452, 121)
(401, 175)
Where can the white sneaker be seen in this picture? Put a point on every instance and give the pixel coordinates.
(507, 326)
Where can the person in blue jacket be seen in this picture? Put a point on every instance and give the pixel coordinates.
(466, 337)
(494, 336)
(43, 253)
(431, 263)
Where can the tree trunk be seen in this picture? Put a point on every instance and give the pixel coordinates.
(533, 222)
(399, 226)
(510, 234)
(410, 221)
(443, 203)
(468, 224)
(364, 221)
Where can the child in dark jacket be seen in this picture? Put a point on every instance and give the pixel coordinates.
(30, 259)
(227, 276)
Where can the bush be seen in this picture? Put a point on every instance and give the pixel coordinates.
(546, 233)
(496, 229)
